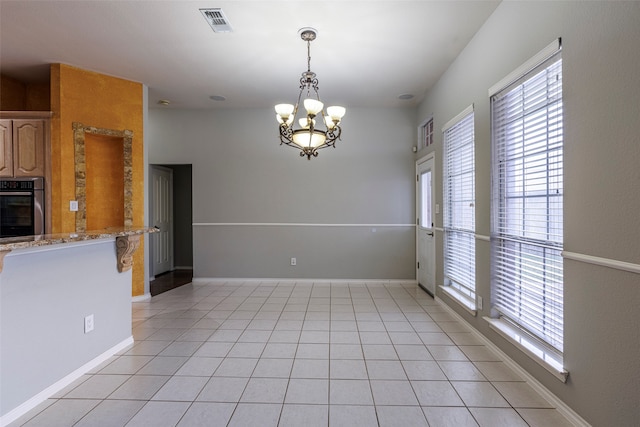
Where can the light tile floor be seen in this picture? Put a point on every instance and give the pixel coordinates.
(287, 354)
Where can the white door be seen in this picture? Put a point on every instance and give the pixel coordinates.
(161, 201)
(425, 238)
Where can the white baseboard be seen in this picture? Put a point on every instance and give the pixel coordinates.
(560, 406)
(25, 407)
(141, 298)
(253, 280)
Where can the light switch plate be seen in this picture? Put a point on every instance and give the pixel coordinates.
(73, 205)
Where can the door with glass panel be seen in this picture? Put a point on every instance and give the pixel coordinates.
(425, 238)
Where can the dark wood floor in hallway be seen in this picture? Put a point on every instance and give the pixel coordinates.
(170, 280)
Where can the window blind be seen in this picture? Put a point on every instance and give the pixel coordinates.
(527, 224)
(459, 205)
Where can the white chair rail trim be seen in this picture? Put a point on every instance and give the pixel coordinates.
(223, 280)
(291, 224)
(605, 262)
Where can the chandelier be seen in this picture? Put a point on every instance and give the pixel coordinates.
(309, 138)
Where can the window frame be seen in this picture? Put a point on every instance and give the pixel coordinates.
(459, 221)
(425, 134)
(550, 338)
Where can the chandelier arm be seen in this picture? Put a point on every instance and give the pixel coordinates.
(332, 136)
(286, 134)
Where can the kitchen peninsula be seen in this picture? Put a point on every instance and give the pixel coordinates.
(65, 307)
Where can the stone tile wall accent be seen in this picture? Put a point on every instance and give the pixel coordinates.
(79, 131)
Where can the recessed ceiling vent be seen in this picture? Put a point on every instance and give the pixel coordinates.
(217, 20)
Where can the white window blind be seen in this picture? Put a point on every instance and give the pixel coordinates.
(459, 205)
(527, 224)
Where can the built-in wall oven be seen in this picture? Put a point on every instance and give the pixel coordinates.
(21, 207)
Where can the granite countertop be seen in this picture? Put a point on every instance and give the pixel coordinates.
(25, 242)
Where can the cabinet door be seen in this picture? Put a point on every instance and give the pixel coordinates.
(28, 148)
(6, 151)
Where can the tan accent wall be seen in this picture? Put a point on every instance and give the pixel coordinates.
(102, 101)
(38, 97)
(13, 94)
(104, 181)
(18, 96)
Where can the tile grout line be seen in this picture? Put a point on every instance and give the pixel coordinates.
(404, 303)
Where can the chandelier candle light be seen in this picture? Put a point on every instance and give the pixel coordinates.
(309, 138)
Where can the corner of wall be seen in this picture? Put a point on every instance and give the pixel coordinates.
(102, 101)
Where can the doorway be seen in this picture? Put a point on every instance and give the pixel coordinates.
(161, 201)
(170, 209)
(425, 236)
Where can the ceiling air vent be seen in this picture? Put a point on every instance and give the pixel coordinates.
(217, 20)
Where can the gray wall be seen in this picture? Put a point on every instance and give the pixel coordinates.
(346, 214)
(601, 62)
(44, 297)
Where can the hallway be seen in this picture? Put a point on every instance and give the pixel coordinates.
(169, 280)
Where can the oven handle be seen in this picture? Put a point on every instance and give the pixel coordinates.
(16, 193)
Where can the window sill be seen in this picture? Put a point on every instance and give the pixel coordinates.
(534, 350)
(464, 301)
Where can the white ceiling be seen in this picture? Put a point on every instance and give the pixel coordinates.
(367, 52)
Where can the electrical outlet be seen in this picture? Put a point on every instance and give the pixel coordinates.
(293, 261)
(479, 302)
(88, 324)
(73, 205)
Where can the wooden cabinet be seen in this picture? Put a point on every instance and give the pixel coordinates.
(25, 149)
(6, 148)
(22, 150)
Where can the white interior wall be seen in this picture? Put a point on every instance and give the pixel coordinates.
(601, 60)
(45, 294)
(347, 214)
(241, 175)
